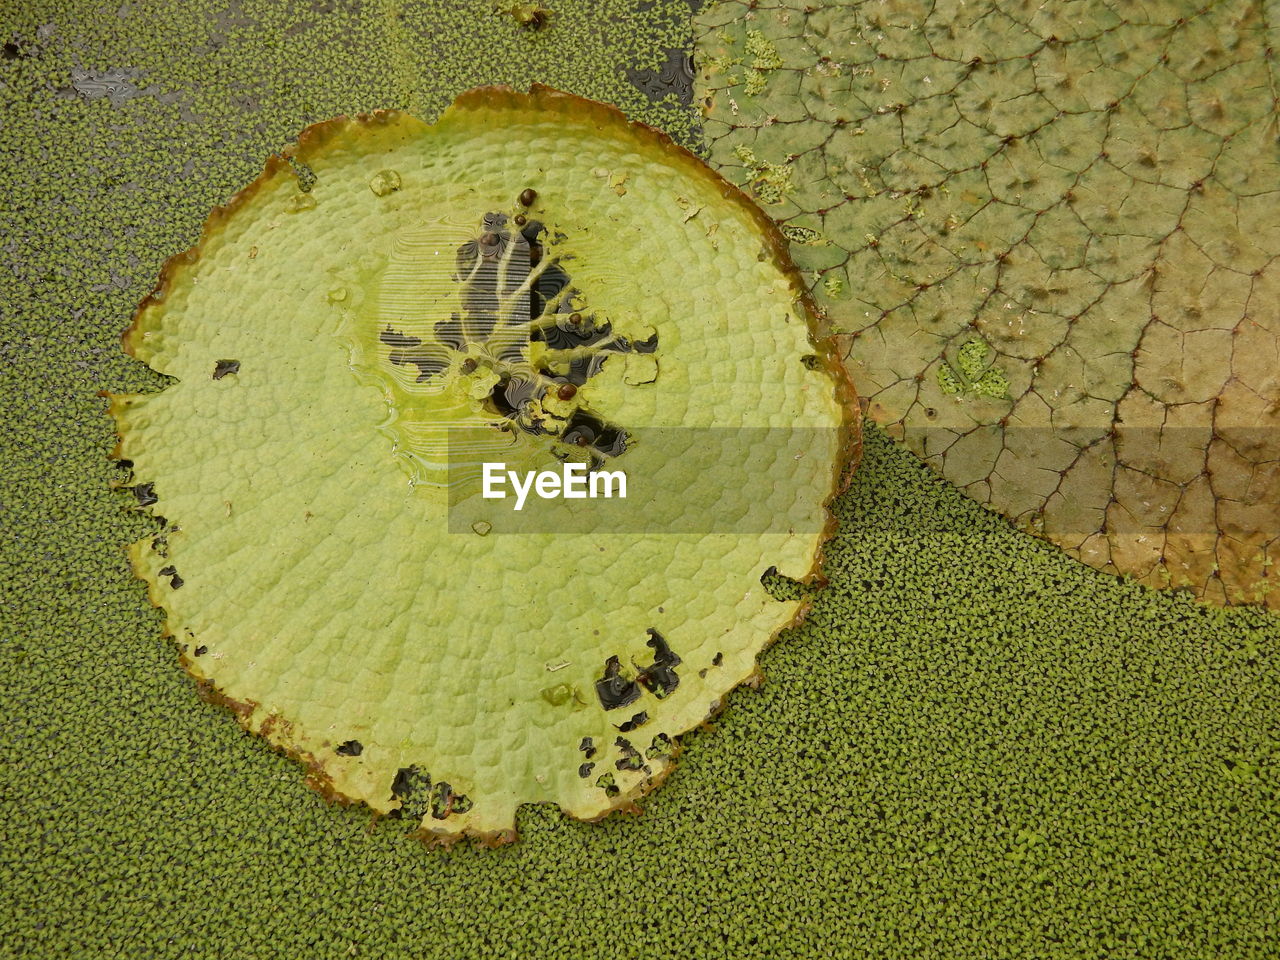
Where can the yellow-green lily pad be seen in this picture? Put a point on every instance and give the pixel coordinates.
(448, 296)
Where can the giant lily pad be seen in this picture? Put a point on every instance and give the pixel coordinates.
(533, 281)
(1050, 232)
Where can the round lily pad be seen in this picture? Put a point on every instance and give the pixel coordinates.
(396, 323)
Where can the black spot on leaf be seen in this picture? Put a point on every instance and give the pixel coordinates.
(637, 720)
(402, 785)
(615, 690)
(660, 748)
(660, 677)
(606, 783)
(630, 759)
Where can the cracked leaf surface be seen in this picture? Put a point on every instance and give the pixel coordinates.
(1077, 198)
(309, 568)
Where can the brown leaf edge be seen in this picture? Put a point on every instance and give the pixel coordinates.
(313, 140)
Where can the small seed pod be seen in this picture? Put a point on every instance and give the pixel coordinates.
(567, 391)
(527, 196)
(575, 318)
(521, 219)
(469, 365)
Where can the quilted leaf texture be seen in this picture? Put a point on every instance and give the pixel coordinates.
(1049, 233)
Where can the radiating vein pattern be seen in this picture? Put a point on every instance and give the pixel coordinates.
(451, 330)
